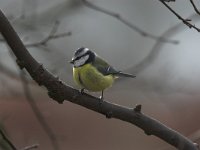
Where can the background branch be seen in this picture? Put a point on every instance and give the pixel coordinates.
(51, 35)
(37, 112)
(185, 21)
(34, 146)
(194, 6)
(127, 22)
(59, 91)
(7, 140)
(157, 48)
(8, 72)
(12, 145)
(169, 0)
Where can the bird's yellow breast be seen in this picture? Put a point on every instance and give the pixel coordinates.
(90, 78)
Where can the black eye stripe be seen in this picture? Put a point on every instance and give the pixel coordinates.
(78, 51)
(77, 58)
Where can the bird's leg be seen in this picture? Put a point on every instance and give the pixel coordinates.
(81, 90)
(101, 97)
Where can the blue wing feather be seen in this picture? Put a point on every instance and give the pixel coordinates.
(103, 67)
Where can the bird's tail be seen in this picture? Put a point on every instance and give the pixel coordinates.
(122, 74)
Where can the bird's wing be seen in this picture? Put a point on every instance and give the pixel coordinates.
(103, 67)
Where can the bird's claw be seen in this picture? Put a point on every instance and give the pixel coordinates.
(101, 98)
(81, 91)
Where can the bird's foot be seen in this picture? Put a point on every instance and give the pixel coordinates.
(101, 98)
(81, 91)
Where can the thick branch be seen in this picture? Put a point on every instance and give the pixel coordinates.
(60, 92)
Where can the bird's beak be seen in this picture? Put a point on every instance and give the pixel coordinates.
(71, 62)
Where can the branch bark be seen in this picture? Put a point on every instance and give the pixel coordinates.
(59, 91)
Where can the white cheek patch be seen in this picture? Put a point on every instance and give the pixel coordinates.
(81, 61)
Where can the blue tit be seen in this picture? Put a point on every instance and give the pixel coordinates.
(92, 72)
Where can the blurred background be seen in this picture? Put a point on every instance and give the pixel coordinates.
(167, 69)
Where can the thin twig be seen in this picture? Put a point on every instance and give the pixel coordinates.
(7, 71)
(7, 140)
(37, 112)
(47, 39)
(127, 22)
(194, 6)
(34, 146)
(52, 35)
(157, 48)
(169, 0)
(35, 109)
(185, 21)
(155, 51)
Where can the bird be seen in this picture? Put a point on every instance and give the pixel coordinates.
(93, 73)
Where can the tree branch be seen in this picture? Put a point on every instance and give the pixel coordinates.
(38, 114)
(34, 146)
(185, 21)
(127, 22)
(194, 6)
(154, 52)
(59, 91)
(169, 0)
(12, 145)
(7, 140)
(52, 35)
(157, 48)
(8, 72)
